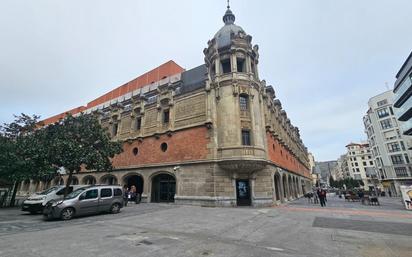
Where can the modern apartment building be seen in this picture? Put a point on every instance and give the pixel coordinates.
(360, 164)
(388, 145)
(403, 92)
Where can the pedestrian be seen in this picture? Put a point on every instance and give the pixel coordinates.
(125, 195)
(133, 193)
(315, 197)
(390, 193)
(322, 196)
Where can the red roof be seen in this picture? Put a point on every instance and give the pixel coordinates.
(165, 70)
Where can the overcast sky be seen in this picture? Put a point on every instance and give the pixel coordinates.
(325, 59)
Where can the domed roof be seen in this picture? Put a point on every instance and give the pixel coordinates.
(223, 35)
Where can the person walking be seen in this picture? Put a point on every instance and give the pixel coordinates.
(322, 196)
(125, 195)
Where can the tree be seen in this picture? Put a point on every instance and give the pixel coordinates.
(77, 143)
(332, 182)
(22, 152)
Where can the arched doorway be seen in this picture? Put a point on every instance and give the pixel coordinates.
(285, 186)
(277, 186)
(75, 181)
(89, 180)
(108, 180)
(290, 186)
(163, 188)
(134, 180)
(58, 181)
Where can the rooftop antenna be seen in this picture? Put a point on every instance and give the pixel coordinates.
(228, 5)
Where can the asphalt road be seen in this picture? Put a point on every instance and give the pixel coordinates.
(294, 229)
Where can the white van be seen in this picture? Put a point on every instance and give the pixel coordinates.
(36, 202)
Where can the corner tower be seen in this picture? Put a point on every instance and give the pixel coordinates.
(238, 113)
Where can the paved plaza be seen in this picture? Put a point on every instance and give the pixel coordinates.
(294, 229)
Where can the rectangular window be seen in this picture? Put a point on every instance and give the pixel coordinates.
(383, 112)
(390, 108)
(106, 192)
(406, 158)
(385, 124)
(403, 145)
(115, 128)
(393, 147)
(243, 101)
(364, 164)
(371, 163)
(356, 164)
(357, 170)
(226, 66)
(397, 159)
(240, 62)
(138, 123)
(383, 102)
(246, 137)
(401, 172)
(166, 116)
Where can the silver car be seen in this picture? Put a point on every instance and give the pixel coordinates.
(86, 201)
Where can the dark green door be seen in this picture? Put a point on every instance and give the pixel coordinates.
(163, 188)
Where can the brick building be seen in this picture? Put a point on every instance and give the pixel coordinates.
(213, 135)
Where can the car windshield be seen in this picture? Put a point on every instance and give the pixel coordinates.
(74, 193)
(47, 191)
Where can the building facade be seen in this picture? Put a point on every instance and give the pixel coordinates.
(403, 93)
(214, 135)
(360, 165)
(388, 145)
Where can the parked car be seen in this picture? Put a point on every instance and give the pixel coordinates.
(37, 201)
(86, 201)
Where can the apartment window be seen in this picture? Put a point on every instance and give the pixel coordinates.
(393, 147)
(226, 66)
(166, 115)
(356, 164)
(401, 172)
(397, 159)
(383, 102)
(406, 158)
(371, 163)
(243, 101)
(385, 124)
(403, 146)
(138, 123)
(241, 67)
(383, 112)
(357, 170)
(246, 137)
(390, 108)
(364, 164)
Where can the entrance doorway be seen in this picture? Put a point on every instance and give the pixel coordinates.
(243, 192)
(163, 188)
(135, 180)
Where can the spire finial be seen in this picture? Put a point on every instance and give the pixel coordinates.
(229, 17)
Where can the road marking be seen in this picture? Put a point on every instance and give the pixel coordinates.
(274, 249)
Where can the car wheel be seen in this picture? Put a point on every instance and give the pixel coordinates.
(67, 214)
(115, 208)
